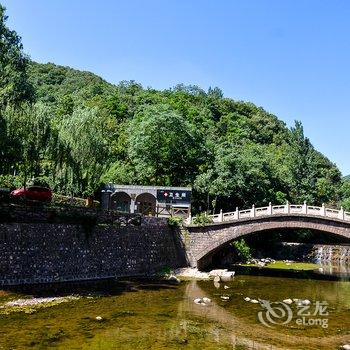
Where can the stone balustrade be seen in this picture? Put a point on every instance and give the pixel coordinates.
(270, 210)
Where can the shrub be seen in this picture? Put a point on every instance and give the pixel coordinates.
(243, 250)
(10, 181)
(43, 181)
(59, 199)
(202, 219)
(174, 221)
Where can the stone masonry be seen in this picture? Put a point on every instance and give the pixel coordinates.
(204, 241)
(44, 251)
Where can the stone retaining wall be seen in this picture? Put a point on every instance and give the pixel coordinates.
(44, 252)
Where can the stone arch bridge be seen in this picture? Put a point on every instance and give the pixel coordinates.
(203, 241)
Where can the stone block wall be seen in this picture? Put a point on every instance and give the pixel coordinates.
(44, 252)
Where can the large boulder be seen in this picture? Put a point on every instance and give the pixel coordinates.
(222, 275)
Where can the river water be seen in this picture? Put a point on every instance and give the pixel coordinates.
(156, 315)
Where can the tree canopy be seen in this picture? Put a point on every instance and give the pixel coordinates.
(14, 85)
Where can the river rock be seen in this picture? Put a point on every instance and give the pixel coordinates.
(227, 276)
(173, 279)
(217, 285)
(346, 347)
(288, 301)
(99, 318)
(216, 272)
(220, 273)
(198, 301)
(217, 279)
(191, 273)
(225, 297)
(247, 299)
(254, 301)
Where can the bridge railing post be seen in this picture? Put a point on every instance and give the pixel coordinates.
(304, 209)
(287, 208)
(341, 213)
(189, 219)
(237, 213)
(269, 209)
(252, 211)
(221, 216)
(323, 210)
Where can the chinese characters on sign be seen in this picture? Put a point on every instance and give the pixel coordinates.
(173, 196)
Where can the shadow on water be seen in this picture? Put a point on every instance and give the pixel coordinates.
(107, 287)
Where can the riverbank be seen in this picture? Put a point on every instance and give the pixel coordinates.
(284, 265)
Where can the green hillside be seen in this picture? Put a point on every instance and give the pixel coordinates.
(53, 82)
(75, 131)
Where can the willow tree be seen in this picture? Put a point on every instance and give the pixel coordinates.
(83, 137)
(14, 90)
(28, 131)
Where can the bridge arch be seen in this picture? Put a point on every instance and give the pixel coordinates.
(207, 240)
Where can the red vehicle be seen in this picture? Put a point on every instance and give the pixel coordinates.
(37, 193)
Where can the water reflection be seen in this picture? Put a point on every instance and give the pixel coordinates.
(156, 315)
(341, 270)
(242, 326)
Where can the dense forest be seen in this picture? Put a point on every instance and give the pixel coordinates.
(75, 132)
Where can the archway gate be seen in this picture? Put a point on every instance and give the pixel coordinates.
(148, 200)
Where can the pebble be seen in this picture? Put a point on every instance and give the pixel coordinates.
(224, 297)
(346, 347)
(173, 279)
(99, 318)
(217, 279)
(206, 300)
(254, 301)
(202, 301)
(288, 301)
(306, 302)
(247, 299)
(226, 287)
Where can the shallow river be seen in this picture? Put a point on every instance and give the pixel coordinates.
(155, 315)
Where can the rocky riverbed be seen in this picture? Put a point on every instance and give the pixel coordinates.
(30, 305)
(193, 273)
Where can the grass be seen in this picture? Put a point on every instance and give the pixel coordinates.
(301, 266)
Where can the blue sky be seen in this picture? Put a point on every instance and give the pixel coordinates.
(290, 57)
